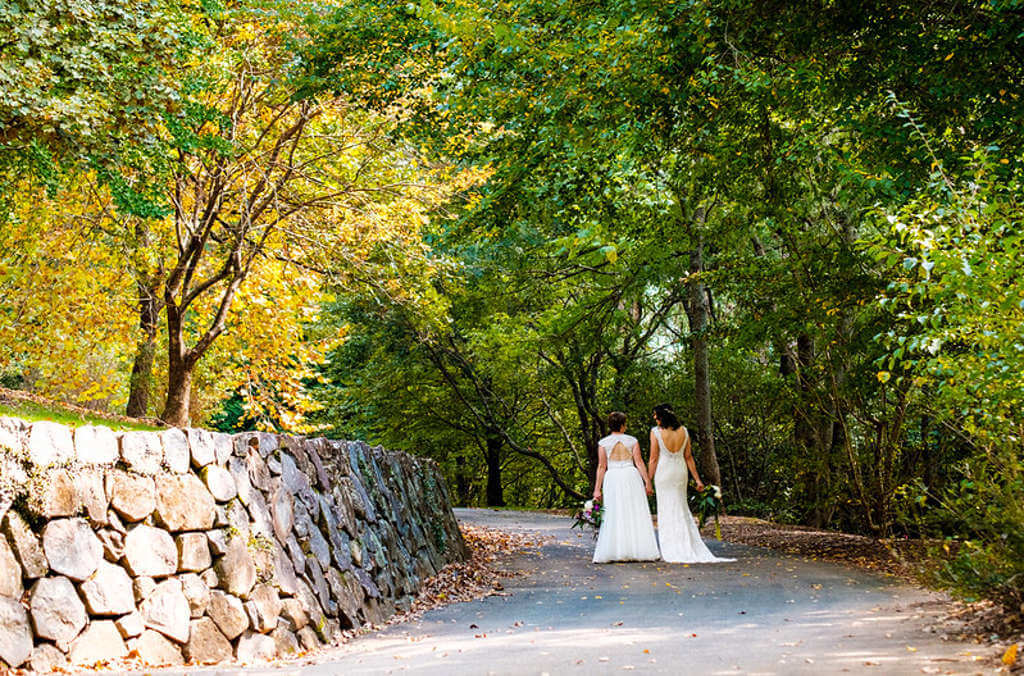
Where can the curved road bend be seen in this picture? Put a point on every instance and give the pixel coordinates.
(768, 613)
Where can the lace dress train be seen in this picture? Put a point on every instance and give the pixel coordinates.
(678, 534)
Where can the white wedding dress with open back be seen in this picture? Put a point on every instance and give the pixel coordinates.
(678, 534)
(627, 533)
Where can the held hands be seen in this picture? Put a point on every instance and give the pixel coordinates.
(649, 488)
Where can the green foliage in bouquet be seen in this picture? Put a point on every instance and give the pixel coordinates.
(708, 503)
(588, 516)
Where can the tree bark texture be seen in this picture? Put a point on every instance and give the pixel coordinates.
(697, 311)
(141, 383)
(495, 497)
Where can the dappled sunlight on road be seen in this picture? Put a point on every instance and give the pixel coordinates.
(767, 613)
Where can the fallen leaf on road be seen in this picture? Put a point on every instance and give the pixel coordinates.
(1010, 656)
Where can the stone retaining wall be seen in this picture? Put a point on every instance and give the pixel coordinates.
(193, 546)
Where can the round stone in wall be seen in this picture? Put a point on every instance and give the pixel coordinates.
(219, 482)
(49, 443)
(46, 657)
(72, 548)
(236, 570)
(12, 433)
(108, 591)
(132, 496)
(176, 453)
(95, 445)
(197, 592)
(25, 545)
(15, 635)
(228, 613)
(57, 613)
(201, 447)
(166, 610)
(206, 644)
(10, 572)
(253, 647)
(183, 503)
(100, 641)
(150, 552)
(142, 451)
(193, 552)
(156, 650)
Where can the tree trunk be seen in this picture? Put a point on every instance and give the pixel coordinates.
(462, 484)
(697, 313)
(929, 457)
(148, 283)
(179, 392)
(179, 371)
(592, 459)
(141, 382)
(495, 498)
(805, 430)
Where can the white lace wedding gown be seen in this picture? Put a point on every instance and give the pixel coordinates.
(677, 530)
(627, 533)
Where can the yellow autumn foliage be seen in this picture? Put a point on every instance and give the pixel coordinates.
(348, 205)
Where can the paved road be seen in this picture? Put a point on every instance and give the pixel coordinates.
(767, 613)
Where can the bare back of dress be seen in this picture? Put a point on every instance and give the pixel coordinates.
(620, 452)
(678, 534)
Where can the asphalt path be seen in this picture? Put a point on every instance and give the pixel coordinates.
(767, 613)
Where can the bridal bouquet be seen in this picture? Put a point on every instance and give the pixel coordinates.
(589, 515)
(708, 503)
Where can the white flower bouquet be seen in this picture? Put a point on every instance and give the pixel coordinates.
(588, 516)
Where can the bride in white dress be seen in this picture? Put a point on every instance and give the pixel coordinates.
(623, 485)
(670, 456)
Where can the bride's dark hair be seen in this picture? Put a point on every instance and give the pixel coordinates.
(667, 417)
(616, 420)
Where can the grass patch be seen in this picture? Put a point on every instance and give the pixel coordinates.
(33, 412)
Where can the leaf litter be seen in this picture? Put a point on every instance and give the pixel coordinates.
(476, 578)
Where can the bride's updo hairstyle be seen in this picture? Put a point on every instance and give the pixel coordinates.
(667, 417)
(616, 421)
